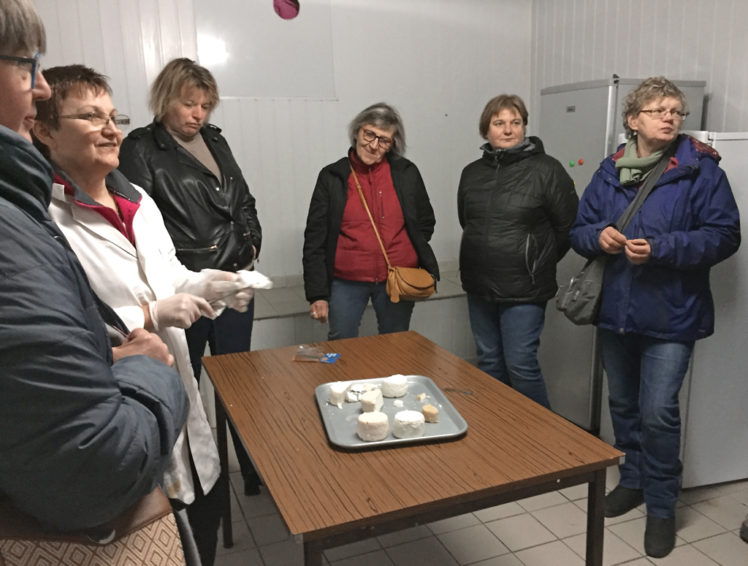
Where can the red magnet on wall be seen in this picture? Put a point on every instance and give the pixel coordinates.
(581, 161)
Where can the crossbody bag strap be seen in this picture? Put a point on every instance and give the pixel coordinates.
(373, 225)
(646, 187)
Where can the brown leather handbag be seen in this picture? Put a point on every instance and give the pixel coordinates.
(144, 534)
(409, 283)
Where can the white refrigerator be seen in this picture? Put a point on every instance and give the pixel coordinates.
(714, 398)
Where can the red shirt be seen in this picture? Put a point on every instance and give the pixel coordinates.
(358, 256)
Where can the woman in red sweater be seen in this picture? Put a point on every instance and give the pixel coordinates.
(344, 267)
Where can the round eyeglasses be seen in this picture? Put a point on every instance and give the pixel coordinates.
(384, 141)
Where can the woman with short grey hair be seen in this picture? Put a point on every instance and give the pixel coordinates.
(344, 267)
(384, 116)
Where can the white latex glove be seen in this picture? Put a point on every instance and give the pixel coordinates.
(240, 301)
(254, 279)
(180, 310)
(214, 284)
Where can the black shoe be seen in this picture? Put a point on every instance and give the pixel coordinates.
(622, 500)
(744, 530)
(252, 484)
(659, 536)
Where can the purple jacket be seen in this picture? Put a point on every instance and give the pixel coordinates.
(691, 221)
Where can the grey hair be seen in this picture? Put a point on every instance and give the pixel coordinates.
(21, 28)
(648, 90)
(380, 115)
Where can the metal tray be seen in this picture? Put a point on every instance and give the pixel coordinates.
(340, 423)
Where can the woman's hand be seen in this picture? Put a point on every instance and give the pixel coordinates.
(611, 240)
(140, 342)
(319, 310)
(638, 251)
(180, 310)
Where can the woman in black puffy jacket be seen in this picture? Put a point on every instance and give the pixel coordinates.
(515, 205)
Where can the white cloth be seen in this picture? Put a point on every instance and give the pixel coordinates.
(125, 277)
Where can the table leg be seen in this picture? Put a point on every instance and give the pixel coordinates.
(312, 554)
(596, 519)
(223, 456)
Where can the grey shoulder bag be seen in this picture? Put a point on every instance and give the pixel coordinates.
(579, 300)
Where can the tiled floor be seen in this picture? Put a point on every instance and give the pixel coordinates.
(547, 530)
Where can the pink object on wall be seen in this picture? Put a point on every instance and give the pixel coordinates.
(286, 9)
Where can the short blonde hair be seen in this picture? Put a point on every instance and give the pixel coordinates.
(648, 90)
(168, 85)
(496, 105)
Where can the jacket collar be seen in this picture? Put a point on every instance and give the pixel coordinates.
(25, 176)
(531, 146)
(116, 182)
(688, 157)
(164, 140)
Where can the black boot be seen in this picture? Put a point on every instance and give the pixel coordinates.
(744, 530)
(659, 536)
(622, 500)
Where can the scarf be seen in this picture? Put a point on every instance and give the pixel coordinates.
(633, 169)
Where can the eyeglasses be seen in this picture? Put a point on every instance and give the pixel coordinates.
(100, 120)
(35, 62)
(384, 141)
(660, 113)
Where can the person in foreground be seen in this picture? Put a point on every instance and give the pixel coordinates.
(515, 205)
(656, 299)
(85, 430)
(120, 238)
(186, 166)
(344, 266)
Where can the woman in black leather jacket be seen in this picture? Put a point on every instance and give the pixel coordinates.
(515, 205)
(187, 167)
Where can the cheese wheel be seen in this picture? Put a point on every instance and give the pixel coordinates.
(408, 424)
(395, 386)
(430, 413)
(372, 426)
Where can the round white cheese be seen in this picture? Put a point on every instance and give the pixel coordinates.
(395, 386)
(372, 426)
(408, 424)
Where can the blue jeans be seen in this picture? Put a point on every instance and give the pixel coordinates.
(507, 337)
(644, 377)
(229, 333)
(348, 299)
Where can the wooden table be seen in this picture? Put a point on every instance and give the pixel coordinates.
(513, 448)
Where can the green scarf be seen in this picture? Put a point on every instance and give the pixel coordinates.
(633, 169)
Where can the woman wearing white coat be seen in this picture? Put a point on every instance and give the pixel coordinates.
(119, 236)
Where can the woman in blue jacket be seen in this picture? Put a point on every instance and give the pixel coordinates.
(656, 299)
